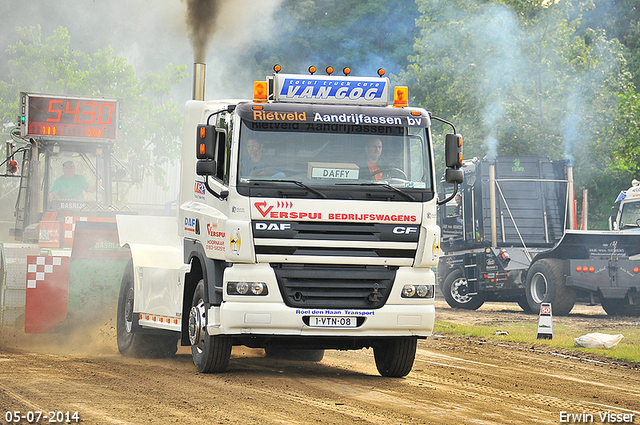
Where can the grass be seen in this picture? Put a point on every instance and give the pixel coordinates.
(563, 335)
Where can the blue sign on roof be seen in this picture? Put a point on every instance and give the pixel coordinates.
(331, 90)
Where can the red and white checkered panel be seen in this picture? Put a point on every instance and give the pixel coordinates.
(47, 293)
(70, 226)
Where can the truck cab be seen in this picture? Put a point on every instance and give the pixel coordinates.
(625, 214)
(306, 222)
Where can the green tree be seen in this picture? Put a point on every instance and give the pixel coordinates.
(152, 122)
(521, 78)
(361, 34)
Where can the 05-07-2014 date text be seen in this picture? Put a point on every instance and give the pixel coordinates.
(35, 417)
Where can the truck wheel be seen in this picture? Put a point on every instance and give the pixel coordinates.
(211, 353)
(620, 307)
(394, 357)
(130, 343)
(545, 284)
(524, 304)
(297, 355)
(456, 292)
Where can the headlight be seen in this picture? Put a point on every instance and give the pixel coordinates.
(408, 291)
(247, 288)
(257, 288)
(418, 291)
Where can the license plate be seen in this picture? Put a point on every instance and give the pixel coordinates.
(332, 322)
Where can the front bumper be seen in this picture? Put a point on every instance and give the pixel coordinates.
(270, 316)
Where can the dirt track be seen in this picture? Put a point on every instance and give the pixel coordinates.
(454, 380)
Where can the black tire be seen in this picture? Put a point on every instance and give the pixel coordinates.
(545, 284)
(394, 357)
(211, 353)
(296, 355)
(456, 292)
(621, 307)
(131, 343)
(524, 304)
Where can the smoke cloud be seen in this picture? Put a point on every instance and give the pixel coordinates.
(201, 17)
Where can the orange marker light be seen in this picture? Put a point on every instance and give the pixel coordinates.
(346, 70)
(260, 91)
(277, 68)
(203, 149)
(329, 70)
(312, 70)
(636, 270)
(400, 97)
(381, 72)
(203, 132)
(578, 269)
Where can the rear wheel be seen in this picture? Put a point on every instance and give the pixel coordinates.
(545, 284)
(621, 307)
(394, 357)
(211, 353)
(131, 343)
(524, 304)
(457, 293)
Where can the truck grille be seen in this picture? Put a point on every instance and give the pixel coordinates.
(339, 240)
(334, 287)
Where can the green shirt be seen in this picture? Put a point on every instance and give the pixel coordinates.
(72, 188)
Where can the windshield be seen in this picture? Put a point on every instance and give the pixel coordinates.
(75, 180)
(630, 215)
(337, 160)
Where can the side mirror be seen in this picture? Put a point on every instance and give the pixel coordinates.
(206, 167)
(209, 139)
(453, 158)
(613, 225)
(205, 142)
(453, 176)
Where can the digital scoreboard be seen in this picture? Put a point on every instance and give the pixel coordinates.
(57, 117)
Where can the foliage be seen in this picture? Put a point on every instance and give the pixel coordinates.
(362, 34)
(522, 78)
(151, 122)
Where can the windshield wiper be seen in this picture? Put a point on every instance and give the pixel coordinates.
(382, 184)
(296, 182)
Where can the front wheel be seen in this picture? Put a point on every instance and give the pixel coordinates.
(211, 353)
(134, 344)
(457, 293)
(394, 357)
(546, 284)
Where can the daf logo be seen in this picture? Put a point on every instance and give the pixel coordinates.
(404, 230)
(273, 226)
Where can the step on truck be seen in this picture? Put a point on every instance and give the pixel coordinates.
(307, 221)
(509, 237)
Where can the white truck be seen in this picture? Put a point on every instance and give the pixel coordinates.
(307, 221)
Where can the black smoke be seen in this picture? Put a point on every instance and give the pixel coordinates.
(201, 16)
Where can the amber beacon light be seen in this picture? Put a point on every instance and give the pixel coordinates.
(260, 91)
(400, 97)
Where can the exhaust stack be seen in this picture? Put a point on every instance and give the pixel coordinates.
(199, 73)
(572, 198)
(492, 203)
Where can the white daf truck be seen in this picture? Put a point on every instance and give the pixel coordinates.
(307, 221)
